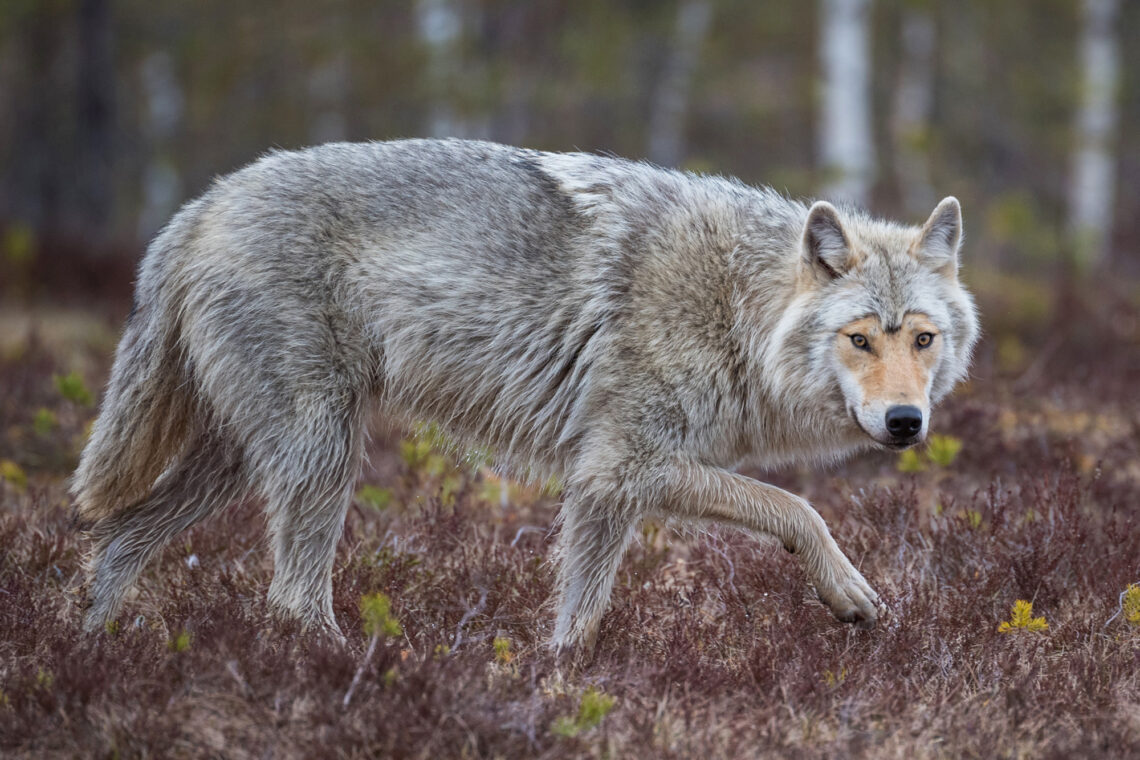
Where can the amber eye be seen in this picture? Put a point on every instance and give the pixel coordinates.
(924, 339)
(859, 341)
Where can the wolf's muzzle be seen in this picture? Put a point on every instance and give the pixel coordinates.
(904, 421)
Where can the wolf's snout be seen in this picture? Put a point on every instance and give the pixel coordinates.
(904, 421)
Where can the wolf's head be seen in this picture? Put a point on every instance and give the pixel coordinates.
(880, 329)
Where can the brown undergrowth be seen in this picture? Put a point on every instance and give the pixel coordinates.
(714, 646)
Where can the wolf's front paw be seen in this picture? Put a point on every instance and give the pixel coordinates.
(849, 597)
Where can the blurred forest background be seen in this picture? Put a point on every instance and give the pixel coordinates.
(115, 112)
(112, 114)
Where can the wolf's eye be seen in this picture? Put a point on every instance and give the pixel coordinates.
(859, 341)
(924, 339)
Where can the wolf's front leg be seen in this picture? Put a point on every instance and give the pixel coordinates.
(594, 535)
(709, 493)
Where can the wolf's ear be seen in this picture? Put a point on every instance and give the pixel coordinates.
(826, 251)
(942, 237)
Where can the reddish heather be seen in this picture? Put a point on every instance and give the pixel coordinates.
(714, 645)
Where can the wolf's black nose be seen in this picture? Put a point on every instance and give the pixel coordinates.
(904, 421)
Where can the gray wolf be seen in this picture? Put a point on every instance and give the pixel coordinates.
(637, 331)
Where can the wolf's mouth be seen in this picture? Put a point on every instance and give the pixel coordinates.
(858, 424)
(898, 445)
(893, 445)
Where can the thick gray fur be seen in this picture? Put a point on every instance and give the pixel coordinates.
(635, 330)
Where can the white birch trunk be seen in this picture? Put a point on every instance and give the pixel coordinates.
(847, 152)
(440, 26)
(910, 125)
(1092, 188)
(161, 181)
(328, 93)
(671, 104)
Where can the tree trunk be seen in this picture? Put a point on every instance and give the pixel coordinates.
(95, 138)
(440, 26)
(165, 104)
(671, 104)
(1092, 187)
(910, 126)
(328, 93)
(847, 152)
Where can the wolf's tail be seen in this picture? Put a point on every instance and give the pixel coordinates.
(146, 415)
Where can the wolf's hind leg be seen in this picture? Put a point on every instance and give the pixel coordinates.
(592, 541)
(209, 477)
(309, 490)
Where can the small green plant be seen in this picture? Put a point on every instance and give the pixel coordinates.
(434, 436)
(592, 708)
(973, 518)
(376, 612)
(943, 449)
(940, 451)
(180, 642)
(552, 486)
(1021, 618)
(1130, 604)
(480, 456)
(911, 461)
(419, 456)
(19, 244)
(374, 496)
(426, 451)
(503, 653)
(833, 679)
(72, 388)
(44, 422)
(13, 474)
(379, 622)
(449, 489)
